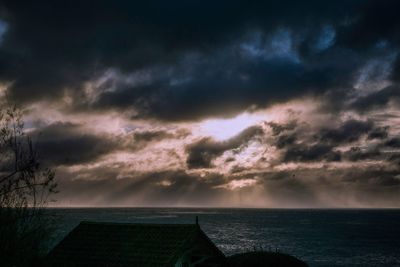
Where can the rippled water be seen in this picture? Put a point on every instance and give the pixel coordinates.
(320, 237)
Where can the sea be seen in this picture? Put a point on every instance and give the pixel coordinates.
(320, 237)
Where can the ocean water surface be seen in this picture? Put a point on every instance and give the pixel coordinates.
(343, 237)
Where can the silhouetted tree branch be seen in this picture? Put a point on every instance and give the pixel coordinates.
(25, 188)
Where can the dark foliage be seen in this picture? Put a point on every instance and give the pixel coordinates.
(25, 188)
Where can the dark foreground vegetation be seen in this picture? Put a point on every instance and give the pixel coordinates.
(264, 259)
(25, 188)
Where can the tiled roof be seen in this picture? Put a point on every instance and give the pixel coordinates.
(120, 244)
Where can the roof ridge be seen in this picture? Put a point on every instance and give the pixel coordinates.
(121, 243)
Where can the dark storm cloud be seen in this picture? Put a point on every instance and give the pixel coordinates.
(395, 158)
(376, 21)
(393, 142)
(349, 131)
(396, 70)
(378, 133)
(304, 153)
(286, 140)
(50, 48)
(227, 82)
(300, 143)
(203, 152)
(149, 136)
(67, 144)
(357, 154)
(377, 99)
(141, 139)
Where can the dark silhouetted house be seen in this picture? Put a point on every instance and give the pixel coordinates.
(123, 244)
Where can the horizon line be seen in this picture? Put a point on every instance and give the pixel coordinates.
(216, 207)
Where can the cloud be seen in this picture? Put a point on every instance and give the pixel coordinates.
(393, 142)
(153, 135)
(232, 82)
(163, 69)
(317, 152)
(3, 30)
(201, 153)
(303, 143)
(285, 140)
(149, 136)
(66, 144)
(253, 57)
(356, 154)
(351, 130)
(379, 133)
(396, 70)
(375, 22)
(377, 99)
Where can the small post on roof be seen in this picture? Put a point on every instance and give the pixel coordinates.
(197, 220)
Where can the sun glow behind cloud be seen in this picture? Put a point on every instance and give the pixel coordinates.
(237, 184)
(223, 129)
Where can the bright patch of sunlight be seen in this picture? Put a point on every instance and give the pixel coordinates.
(222, 129)
(236, 184)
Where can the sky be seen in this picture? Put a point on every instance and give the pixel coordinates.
(280, 104)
